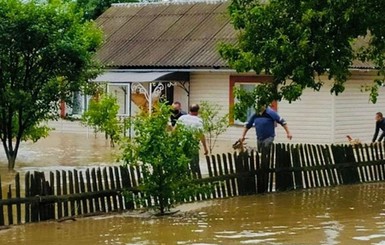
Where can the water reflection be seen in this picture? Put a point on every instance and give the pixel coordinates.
(339, 215)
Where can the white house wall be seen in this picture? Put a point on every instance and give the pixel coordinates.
(181, 96)
(118, 92)
(318, 117)
(310, 119)
(354, 112)
(214, 88)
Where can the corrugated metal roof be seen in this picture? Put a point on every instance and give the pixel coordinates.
(173, 35)
(164, 35)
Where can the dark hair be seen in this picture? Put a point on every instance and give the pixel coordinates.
(177, 103)
(379, 114)
(194, 108)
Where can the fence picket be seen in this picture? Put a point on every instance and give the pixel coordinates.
(226, 168)
(71, 190)
(107, 187)
(100, 188)
(113, 187)
(64, 191)
(27, 194)
(9, 206)
(78, 203)
(18, 206)
(1, 205)
(283, 176)
(85, 208)
(91, 201)
(95, 189)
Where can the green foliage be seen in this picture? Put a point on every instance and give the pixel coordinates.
(37, 132)
(46, 52)
(297, 41)
(94, 8)
(213, 124)
(164, 156)
(102, 115)
(246, 99)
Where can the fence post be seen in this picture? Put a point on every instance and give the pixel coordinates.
(18, 206)
(240, 171)
(283, 176)
(263, 175)
(344, 155)
(1, 205)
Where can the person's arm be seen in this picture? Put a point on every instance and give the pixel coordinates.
(376, 133)
(243, 137)
(276, 117)
(288, 134)
(248, 125)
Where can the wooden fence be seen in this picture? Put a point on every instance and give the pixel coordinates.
(62, 194)
(293, 167)
(65, 194)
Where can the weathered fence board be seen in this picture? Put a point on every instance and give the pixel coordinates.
(1, 205)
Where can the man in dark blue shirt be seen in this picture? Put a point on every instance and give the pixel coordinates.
(380, 124)
(264, 124)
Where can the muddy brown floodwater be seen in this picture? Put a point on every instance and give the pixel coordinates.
(340, 215)
(353, 214)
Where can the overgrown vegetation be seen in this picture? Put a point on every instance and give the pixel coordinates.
(164, 157)
(213, 124)
(102, 116)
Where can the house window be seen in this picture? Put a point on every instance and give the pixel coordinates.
(248, 83)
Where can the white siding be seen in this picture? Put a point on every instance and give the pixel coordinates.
(318, 117)
(309, 119)
(355, 113)
(214, 87)
(181, 96)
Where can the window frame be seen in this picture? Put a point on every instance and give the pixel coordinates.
(246, 79)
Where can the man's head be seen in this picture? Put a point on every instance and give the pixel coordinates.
(379, 116)
(194, 109)
(176, 107)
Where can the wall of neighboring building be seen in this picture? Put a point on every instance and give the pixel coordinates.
(354, 112)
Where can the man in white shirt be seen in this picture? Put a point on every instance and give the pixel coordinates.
(192, 121)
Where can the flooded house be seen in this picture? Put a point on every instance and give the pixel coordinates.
(170, 50)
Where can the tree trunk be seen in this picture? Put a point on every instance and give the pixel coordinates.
(11, 161)
(11, 151)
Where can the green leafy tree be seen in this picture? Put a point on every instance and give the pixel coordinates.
(102, 115)
(164, 156)
(46, 53)
(297, 41)
(213, 123)
(92, 9)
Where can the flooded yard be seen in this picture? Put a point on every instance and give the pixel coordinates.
(340, 215)
(353, 214)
